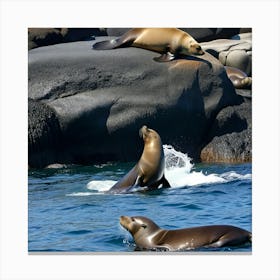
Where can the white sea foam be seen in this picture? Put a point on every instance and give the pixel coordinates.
(179, 172)
(80, 194)
(231, 176)
(101, 186)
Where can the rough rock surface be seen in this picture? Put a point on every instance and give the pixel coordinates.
(102, 98)
(230, 138)
(44, 135)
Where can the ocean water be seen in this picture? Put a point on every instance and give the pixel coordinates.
(69, 211)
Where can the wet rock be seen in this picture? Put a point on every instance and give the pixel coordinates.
(230, 138)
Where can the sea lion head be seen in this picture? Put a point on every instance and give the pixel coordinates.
(191, 46)
(138, 225)
(143, 230)
(149, 135)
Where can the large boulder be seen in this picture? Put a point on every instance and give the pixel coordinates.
(235, 52)
(102, 98)
(230, 137)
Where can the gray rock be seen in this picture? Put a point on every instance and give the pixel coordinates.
(235, 52)
(102, 98)
(230, 138)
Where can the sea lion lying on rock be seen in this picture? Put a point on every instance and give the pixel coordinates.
(170, 42)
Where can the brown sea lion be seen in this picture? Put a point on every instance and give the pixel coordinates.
(239, 78)
(149, 236)
(148, 173)
(170, 42)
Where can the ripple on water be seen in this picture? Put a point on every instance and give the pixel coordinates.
(77, 232)
(59, 222)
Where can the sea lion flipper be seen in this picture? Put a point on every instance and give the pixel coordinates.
(247, 82)
(165, 183)
(165, 57)
(120, 42)
(105, 45)
(138, 181)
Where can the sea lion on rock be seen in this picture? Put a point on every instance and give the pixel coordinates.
(170, 42)
(149, 170)
(239, 78)
(149, 236)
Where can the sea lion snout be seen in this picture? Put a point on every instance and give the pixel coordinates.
(142, 131)
(196, 49)
(125, 221)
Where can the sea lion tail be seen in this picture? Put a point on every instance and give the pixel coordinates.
(105, 45)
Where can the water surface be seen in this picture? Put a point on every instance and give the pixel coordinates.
(69, 211)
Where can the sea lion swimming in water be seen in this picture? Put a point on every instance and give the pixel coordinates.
(148, 173)
(149, 236)
(170, 42)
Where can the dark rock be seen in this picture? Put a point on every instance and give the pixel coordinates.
(38, 37)
(80, 34)
(230, 138)
(102, 98)
(44, 135)
(43, 36)
(208, 34)
(116, 31)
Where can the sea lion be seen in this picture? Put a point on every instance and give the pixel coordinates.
(149, 170)
(170, 42)
(239, 78)
(149, 236)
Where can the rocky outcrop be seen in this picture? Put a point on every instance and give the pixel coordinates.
(230, 138)
(44, 135)
(100, 99)
(38, 37)
(235, 52)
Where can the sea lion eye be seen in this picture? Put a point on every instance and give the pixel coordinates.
(132, 219)
(143, 226)
(198, 48)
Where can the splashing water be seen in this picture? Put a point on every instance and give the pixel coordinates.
(179, 173)
(175, 159)
(179, 170)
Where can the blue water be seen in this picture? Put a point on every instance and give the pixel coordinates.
(69, 211)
